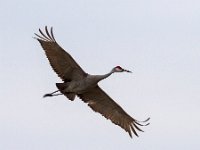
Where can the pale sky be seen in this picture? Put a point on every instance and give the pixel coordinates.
(159, 40)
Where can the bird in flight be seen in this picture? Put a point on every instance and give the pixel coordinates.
(76, 82)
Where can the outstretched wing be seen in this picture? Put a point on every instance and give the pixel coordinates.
(62, 62)
(100, 102)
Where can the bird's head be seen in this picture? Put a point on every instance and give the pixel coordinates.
(120, 69)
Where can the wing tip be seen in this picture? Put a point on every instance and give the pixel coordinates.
(134, 126)
(47, 36)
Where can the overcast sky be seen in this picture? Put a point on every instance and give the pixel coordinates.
(159, 40)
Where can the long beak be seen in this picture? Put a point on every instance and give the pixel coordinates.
(127, 71)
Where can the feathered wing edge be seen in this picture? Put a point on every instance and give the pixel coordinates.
(100, 102)
(49, 37)
(60, 60)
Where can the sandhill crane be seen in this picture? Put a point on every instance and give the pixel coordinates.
(77, 82)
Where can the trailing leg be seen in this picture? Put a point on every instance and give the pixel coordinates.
(52, 94)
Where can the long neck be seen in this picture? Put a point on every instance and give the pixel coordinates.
(101, 77)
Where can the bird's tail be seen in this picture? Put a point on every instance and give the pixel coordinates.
(62, 87)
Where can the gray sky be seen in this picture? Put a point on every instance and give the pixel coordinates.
(159, 40)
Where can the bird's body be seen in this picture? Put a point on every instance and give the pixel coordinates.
(85, 86)
(80, 87)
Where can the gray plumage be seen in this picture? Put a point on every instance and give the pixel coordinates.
(76, 82)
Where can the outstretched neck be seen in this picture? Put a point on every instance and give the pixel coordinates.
(106, 75)
(101, 77)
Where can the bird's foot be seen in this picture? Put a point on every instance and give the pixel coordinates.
(47, 95)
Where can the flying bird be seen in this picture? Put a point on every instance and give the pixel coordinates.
(76, 82)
